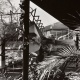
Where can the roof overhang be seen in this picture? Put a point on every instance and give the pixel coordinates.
(66, 11)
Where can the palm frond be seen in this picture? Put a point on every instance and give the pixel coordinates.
(50, 63)
(73, 16)
(78, 13)
(69, 20)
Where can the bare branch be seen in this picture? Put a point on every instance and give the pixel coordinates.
(11, 5)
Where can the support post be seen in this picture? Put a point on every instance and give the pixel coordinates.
(3, 52)
(11, 15)
(77, 46)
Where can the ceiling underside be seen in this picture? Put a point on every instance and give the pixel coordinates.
(66, 11)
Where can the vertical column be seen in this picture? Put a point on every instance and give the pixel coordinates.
(2, 49)
(0, 56)
(25, 39)
(3, 53)
(11, 15)
(77, 46)
(79, 41)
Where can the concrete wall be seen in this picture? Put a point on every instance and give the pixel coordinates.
(32, 29)
(47, 34)
(33, 47)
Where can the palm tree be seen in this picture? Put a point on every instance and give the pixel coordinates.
(50, 65)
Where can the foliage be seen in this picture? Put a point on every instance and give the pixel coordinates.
(49, 67)
(50, 59)
(10, 32)
(9, 28)
(46, 69)
(7, 5)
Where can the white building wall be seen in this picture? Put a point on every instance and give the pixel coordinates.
(48, 34)
(32, 29)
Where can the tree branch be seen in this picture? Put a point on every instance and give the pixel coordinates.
(11, 5)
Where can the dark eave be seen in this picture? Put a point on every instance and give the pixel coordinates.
(62, 10)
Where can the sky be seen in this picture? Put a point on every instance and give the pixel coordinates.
(4, 4)
(16, 2)
(45, 18)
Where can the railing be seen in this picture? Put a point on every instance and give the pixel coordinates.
(67, 36)
(35, 18)
(6, 73)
